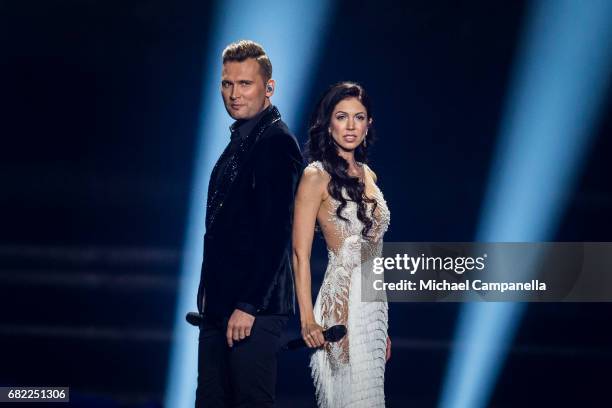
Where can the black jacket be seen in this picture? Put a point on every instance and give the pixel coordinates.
(247, 261)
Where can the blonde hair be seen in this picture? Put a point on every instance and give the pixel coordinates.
(244, 49)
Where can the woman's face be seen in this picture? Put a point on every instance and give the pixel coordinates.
(349, 123)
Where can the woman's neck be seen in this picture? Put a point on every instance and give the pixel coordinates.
(350, 159)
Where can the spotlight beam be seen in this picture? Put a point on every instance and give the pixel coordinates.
(291, 32)
(562, 70)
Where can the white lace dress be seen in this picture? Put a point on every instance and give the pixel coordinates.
(351, 372)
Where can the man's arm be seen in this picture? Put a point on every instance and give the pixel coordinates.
(276, 173)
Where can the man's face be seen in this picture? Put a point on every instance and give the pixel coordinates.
(243, 89)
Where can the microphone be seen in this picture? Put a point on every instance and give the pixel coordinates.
(333, 334)
(194, 318)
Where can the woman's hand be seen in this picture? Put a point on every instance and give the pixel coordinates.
(312, 334)
(388, 348)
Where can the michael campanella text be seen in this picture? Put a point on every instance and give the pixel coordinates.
(444, 285)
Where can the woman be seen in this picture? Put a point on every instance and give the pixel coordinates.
(338, 191)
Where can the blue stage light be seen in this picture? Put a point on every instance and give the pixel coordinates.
(562, 71)
(291, 33)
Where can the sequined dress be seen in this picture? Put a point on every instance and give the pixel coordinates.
(350, 373)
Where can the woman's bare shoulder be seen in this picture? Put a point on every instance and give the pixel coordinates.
(315, 178)
(369, 170)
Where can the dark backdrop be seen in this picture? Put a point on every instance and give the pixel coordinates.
(99, 106)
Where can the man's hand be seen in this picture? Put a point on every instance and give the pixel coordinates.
(239, 326)
(388, 354)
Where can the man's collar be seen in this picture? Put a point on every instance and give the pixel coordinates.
(242, 127)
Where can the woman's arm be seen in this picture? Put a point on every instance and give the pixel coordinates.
(310, 195)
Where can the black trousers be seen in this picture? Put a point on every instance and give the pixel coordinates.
(241, 376)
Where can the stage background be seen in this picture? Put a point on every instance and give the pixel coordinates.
(99, 106)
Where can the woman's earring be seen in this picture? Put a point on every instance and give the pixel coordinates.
(365, 140)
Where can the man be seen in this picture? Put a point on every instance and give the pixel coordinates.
(246, 289)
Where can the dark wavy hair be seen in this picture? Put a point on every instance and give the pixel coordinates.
(320, 146)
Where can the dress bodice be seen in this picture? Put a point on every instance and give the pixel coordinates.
(337, 230)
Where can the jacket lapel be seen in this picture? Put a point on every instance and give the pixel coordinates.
(217, 197)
